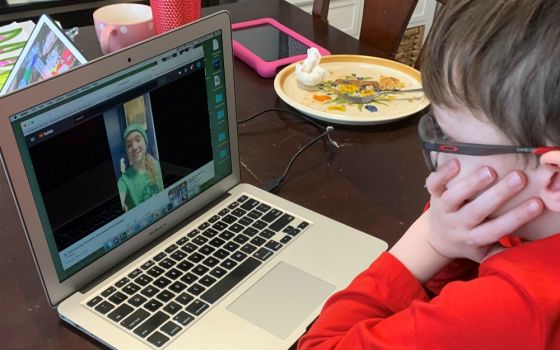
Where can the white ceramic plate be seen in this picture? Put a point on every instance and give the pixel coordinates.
(322, 104)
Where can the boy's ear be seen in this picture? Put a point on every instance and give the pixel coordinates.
(551, 191)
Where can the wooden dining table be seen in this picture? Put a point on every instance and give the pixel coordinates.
(372, 182)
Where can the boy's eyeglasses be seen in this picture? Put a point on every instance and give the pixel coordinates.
(435, 141)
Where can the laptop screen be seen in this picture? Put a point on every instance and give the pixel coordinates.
(111, 158)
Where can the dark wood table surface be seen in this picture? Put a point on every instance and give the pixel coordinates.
(373, 183)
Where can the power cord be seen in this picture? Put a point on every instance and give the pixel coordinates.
(273, 185)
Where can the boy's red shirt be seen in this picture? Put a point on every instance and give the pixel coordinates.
(513, 302)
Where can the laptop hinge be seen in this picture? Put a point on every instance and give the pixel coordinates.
(109, 273)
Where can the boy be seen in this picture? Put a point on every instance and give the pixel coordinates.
(493, 76)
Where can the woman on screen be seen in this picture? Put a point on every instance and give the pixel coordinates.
(142, 179)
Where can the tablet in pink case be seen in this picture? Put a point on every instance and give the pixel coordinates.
(266, 45)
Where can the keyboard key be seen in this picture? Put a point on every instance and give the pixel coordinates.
(226, 235)
(207, 281)
(131, 288)
(285, 239)
(162, 282)
(229, 219)
(153, 305)
(200, 240)
(108, 291)
(137, 300)
(266, 233)
(173, 274)
(184, 298)
(195, 257)
(104, 307)
(207, 250)
(170, 328)
(254, 214)
(211, 261)
(135, 319)
(193, 233)
(241, 239)
(250, 231)
(233, 205)
(273, 245)
(294, 232)
(185, 265)
(196, 289)
(157, 339)
(151, 324)
(231, 246)
(189, 278)
(228, 264)
(217, 242)
(165, 296)
(214, 218)
(200, 270)
(263, 207)
(155, 271)
(135, 273)
(272, 215)
(236, 228)
(203, 226)
(258, 241)
(220, 226)
(250, 204)
(120, 312)
(303, 225)
(149, 291)
(210, 233)
(94, 301)
(182, 240)
(147, 265)
(159, 256)
(242, 199)
(178, 255)
(183, 318)
(171, 248)
(197, 307)
(118, 298)
(238, 256)
(172, 308)
(177, 287)
(281, 222)
(218, 272)
(245, 221)
(220, 253)
(143, 280)
(262, 254)
(259, 225)
(167, 263)
(223, 212)
(248, 248)
(238, 213)
(230, 280)
(189, 247)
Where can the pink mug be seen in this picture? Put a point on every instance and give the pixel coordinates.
(120, 25)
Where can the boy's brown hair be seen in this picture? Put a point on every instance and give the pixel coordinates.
(500, 58)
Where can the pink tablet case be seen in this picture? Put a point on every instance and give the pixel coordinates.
(267, 69)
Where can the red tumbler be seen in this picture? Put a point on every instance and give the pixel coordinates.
(169, 14)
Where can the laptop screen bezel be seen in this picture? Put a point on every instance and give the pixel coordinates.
(102, 67)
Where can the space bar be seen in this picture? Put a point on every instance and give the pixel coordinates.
(230, 280)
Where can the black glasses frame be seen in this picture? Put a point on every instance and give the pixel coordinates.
(439, 145)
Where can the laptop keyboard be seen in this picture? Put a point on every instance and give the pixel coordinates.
(164, 295)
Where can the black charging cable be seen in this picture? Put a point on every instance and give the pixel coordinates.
(273, 184)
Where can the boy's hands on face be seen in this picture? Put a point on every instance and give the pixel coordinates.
(459, 224)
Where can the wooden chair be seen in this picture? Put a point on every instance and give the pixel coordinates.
(383, 22)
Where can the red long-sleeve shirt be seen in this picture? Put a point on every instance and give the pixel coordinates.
(513, 303)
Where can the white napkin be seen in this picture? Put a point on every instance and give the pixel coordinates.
(309, 72)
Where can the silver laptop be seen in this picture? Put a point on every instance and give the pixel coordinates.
(125, 172)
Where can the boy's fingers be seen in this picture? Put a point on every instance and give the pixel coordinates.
(466, 189)
(490, 200)
(493, 230)
(437, 181)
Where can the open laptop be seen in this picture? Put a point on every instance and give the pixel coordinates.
(125, 172)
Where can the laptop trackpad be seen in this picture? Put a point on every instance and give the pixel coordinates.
(282, 299)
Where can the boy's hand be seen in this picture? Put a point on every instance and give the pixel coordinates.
(459, 224)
